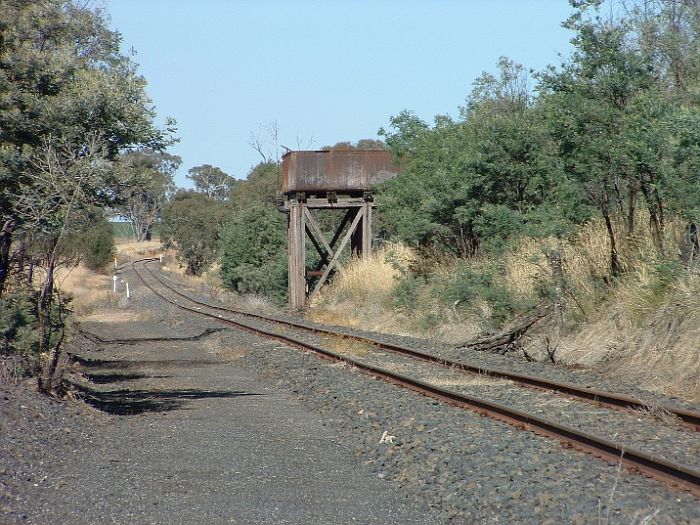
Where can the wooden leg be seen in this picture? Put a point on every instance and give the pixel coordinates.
(297, 255)
(367, 229)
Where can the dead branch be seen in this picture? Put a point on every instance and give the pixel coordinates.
(507, 338)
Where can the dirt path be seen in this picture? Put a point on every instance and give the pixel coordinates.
(195, 438)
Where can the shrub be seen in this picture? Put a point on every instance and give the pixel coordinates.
(18, 334)
(90, 240)
(19, 328)
(468, 285)
(253, 252)
(191, 223)
(405, 292)
(98, 247)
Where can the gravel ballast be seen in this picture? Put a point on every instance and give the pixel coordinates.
(200, 440)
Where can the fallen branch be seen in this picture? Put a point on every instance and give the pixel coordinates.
(506, 339)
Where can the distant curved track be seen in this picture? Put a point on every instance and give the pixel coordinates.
(671, 473)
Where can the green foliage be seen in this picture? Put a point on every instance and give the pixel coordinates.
(19, 326)
(71, 104)
(98, 247)
(18, 323)
(90, 240)
(614, 129)
(260, 187)
(211, 181)
(191, 223)
(63, 79)
(470, 185)
(150, 185)
(253, 252)
(467, 285)
(362, 144)
(405, 293)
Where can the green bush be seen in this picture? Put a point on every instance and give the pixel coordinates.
(254, 254)
(405, 293)
(467, 284)
(90, 240)
(191, 224)
(19, 336)
(98, 247)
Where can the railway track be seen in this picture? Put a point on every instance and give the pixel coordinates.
(672, 473)
(599, 397)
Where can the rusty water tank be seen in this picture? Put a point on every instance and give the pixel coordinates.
(350, 172)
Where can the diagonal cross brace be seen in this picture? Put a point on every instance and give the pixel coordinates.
(334, 260)
(317, 236)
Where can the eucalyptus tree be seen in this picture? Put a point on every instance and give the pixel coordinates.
(616, 106)
(587, 102)
(489, 176)
(70, 102)
(151, 175)
(211, 181)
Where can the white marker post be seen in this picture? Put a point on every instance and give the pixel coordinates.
(114, 287)
(115, 263)
(161, 258)
(127, 291)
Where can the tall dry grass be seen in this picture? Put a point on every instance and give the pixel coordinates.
(362, 297)
(633, 327)
(636, 327)
(371, 279)
(356, 297)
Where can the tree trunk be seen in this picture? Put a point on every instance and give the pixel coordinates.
(631, 210)
(44, 304)
(656, 215)
(615, 267)
(555, 263)
(5, 240)
(690, 249)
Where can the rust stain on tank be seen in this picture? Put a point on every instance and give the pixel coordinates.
(342, 171)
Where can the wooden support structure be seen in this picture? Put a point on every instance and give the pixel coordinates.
(354, 229)
(345, 177)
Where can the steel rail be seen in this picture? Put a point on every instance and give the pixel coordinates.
(672, 474)
(608, 399)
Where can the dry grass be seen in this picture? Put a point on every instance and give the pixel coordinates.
(361, 297)
(630, 328)
(369, 280)
(209, 280)
(346, 346)
(465, 380)
(526, 264)
(93, 291)
(129, 250)
(88, 289)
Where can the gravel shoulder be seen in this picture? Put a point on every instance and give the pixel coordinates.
(182, 435)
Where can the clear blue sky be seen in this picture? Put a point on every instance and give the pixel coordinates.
(324, 71)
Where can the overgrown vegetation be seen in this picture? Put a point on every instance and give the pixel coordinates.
(191, 223)
(72, 107)
(577, 186)
(613, 131)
